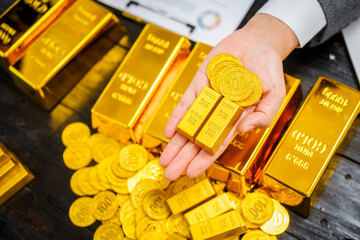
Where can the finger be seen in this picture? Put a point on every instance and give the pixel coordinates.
(181, 161)
(172, 149)
(265, 111)
(200, 80)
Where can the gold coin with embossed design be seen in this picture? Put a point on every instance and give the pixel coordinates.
(104, 205)
(147, 224)
(80, 212)
(141, 188)
(75, 132)
(257, 235)
(155, 205)
(77, 155)
(133, 157)
(109, 231)
(178, 224)
(279, 222)
(257, 208)
(236, 84)
(255, 96)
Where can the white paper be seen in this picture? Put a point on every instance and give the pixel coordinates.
(211, 20)
(352, 40)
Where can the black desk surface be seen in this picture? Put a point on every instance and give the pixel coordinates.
(40, 210)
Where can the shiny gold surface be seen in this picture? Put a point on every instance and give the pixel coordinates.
(49, 68)
(218, 172)
(131, 87)
(157, 123)
(311, 140)
(220, 227)
(13, 175)
(23, 22)
(191, 197)
(248, 152)
(218, 126)
(198, 113)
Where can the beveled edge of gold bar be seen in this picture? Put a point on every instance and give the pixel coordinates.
(40, 21)
(353, 115)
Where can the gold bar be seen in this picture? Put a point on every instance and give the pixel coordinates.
(236, 183)
(156, 125)
(311, 140)
(218, 126)
(209, 209)
(247, 154)
(191, 197)
(48, 68)
(16, 176)
(218, 172)
(23, 22)
(198, 113)
(131, 88)
(220, 227)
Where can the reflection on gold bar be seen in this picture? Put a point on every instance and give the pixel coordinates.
(201, 109)
(131, 88)
(220, 227)
(157, 123)
(247, 154)
(218, 172)
(13, 175)
(218, 126)
(303, 154)
(236, 183)
(191, 197)
(210, 209)
(48, 68)
(23, 22)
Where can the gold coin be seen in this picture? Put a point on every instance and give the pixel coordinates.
(146, 225)
(153, 170)
(154, 236)
(222, 57)
(102, 172)
(129, 225)
(155, 205)
(256, 235)
(141, 188)
(80, 212)
(119, 185)
(236, 84)
(115, 219)
(133, 157)
(220, 70)
(95, 179)
(125, 210)
(255, 96)
(178, 224)
(120, 171)
(109, 231)
(104, 147)
(279, 222)
(94, 138)
(104, 205)
(122, 198)
(77, 155)
(75, 132)
(150, 142)
(74, 184)
(84, 182)
(257, 208)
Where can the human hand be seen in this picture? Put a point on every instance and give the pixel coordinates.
(260, 45)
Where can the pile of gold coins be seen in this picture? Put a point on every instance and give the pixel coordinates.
(127, 192)
(228, 77)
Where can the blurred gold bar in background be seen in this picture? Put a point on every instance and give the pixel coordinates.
(13, 175)
(220, 227)
(295, 171)
(247, 154)
(49, 68)
(198, 113)
(156, 126)
(191, 197)
(125, 97)
(23, 22)
(218, 126)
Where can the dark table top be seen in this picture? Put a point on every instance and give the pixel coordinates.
(40, 210)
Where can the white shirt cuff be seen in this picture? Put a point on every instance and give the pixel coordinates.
(306, 18)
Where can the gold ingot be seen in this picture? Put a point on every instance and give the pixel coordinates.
(218, 126)
(257, 208)
(109, 231)
(23, 22)
(131, 88)
(258, 234)
(247, 153)
(133, 157)
(218, 172)
(220, 227)
(104, 205)
(75, 132)
(201, 109)
(52, 65)
(80, 212)
(156, 125)
(279, 222)
(154, 204)
(191, 197)
(13, 174)
(311, 140)
(237, 184)
(210, 209)
(77, 155)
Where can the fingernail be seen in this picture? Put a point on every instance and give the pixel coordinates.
(247, 129)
